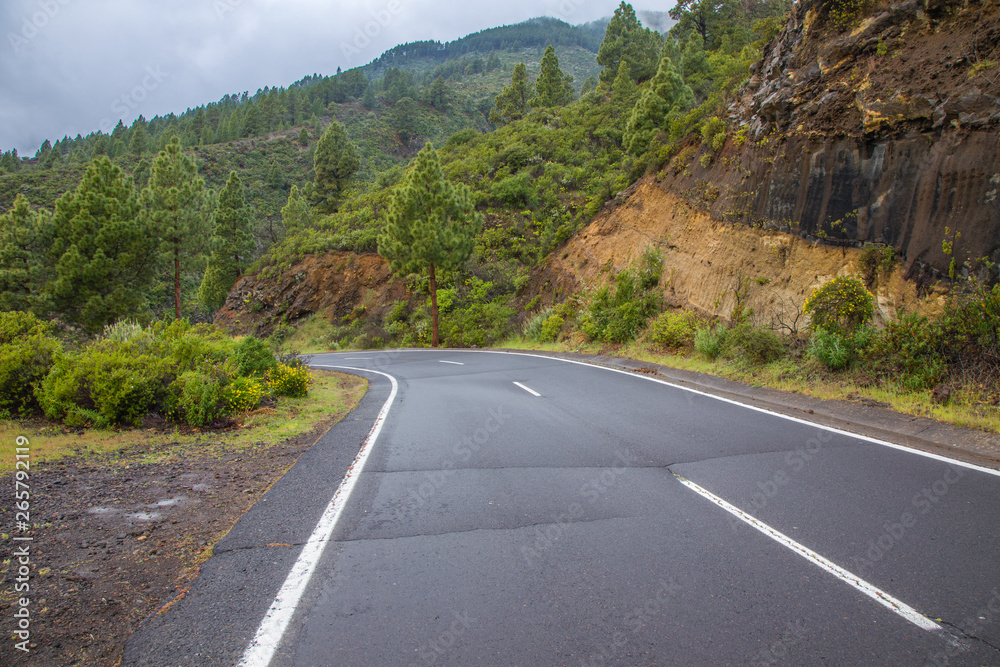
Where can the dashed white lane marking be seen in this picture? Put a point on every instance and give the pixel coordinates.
(528, 389)
(880, 596)
(444, 361)
(265, 643)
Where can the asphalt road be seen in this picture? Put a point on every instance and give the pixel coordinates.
(522, 510)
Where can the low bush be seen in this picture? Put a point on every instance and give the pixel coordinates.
(197, 398)
(671, 331)
(286, 380)
(910, 350)
(253, 358)
(533, 327)
(842, 305)
(551, 329)
(27, 352)
(830, 348)
(244, 394)
(709, 341)
(751, 345)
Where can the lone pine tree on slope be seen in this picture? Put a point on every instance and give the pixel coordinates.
(431, 225)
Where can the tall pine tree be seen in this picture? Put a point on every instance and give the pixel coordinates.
(178, 207)
(334, 163)
(232, 244)
(512, 103)
(552, 88)
(666, 97)
(25, 236)
(104, 253)
(431, 225)
(626, 39)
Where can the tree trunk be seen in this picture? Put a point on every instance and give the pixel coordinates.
(177, 281)
(434, 310)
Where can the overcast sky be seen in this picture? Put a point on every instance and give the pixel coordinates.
(76, 66)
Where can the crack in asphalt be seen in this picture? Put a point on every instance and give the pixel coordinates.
(475, 530)
(964, 634)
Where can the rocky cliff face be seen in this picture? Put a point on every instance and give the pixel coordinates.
(884, 133)
(334, 285)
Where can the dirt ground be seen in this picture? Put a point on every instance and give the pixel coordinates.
(119, 537)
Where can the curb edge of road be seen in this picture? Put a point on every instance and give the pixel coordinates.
(920, 433)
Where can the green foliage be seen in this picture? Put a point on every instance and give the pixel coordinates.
(841, 305)
(405, 119)
(910, 350)
(512, 103)
(553, 88)
(618, 315)
(831, 349)
(243, 394)
(713, 133)
(177, 204)
(551, 329)
(876, 264)
(532, 329)
(666, 98)
(674, 330)
(25, 236)
(232, 244)
(626, 39)
(197, 398)
(287, 380)
(102, 249)
(27, 352)
(709, 340)
(334, 163)
(253, 358)
(748, 344)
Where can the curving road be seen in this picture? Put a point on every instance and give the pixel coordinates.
(513, 509)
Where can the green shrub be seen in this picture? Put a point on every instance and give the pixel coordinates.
(533, 327)
(551, 329)
(910, 350)
(751, 345)
(243, 394)
(253, 358)
(876, 262)
(197, 398)
(841, 305)
(618, 316)
(286, 380)
(830, 348)
(105, 384)
(24, 363)
(709, 341)
(673, 330)
(16, 325)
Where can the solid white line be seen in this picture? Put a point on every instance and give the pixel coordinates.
(880, 596)
(262, 648)
(528, 389)
(457, 363)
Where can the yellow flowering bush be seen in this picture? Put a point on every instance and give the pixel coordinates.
(289, 380)
(841, 305)
(243, 394)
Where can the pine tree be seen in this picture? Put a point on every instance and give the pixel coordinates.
(512, 103)
(553, 88)
(404, 119)
(623, 90)
(296, 214)
(104, 253)
(695, 69)
(178, 207)
(438, 94)
(232, 244)
(666, 97)
(334, 163)
(304, 138)
(25, 236)
(626, 39)
(589, 86)
(431, 225)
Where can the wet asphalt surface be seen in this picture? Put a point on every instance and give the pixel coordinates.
(494, 526)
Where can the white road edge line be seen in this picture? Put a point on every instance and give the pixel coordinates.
(265, 643)
(528, 389)
(880, 596)
(444, 361)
